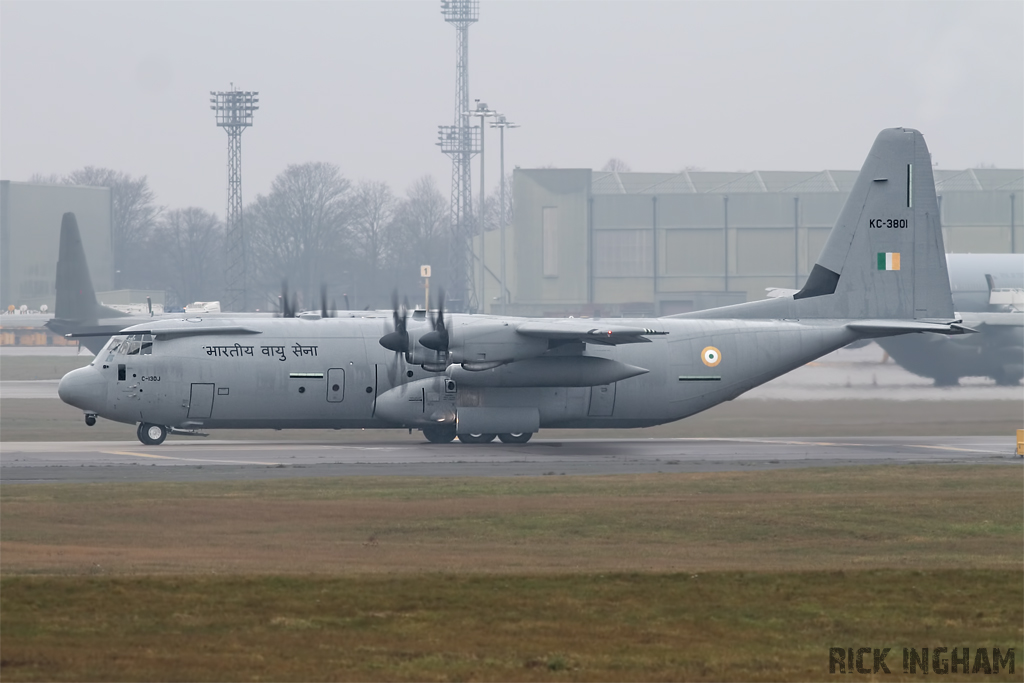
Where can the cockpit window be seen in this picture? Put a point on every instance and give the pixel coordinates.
(135, 345)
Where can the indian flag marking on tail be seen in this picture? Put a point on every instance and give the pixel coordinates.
(888, 260)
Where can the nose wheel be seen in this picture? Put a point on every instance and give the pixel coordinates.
(151, 434)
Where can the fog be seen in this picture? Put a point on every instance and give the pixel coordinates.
(364, 85)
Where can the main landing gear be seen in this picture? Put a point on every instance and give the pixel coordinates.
(446, 434)
(151, 434)
(440, 434)
(477, 438)
(519, 437)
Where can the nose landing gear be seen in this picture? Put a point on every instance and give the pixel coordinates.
(151, 434)
(90, 419)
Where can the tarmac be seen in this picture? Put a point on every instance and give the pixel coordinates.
(124, 461)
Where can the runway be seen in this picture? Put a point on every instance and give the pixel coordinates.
(124, 461)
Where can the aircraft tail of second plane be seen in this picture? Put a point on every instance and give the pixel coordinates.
(76, 298)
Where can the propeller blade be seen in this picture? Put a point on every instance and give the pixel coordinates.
(398, 339)
(286, 307)
(324, 311)
(438, 339)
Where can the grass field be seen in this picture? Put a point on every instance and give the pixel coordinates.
(717, 576)
(917, 517)
(720, 626)
(52, 420)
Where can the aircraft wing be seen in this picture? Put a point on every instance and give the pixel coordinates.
(172, 332)
(587, 331)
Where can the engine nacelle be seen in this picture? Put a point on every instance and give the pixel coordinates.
(480, 342)
(425, 402)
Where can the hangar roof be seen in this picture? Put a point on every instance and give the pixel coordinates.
(717, 182)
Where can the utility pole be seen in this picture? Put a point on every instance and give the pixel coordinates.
(502, 123)
(483, 112)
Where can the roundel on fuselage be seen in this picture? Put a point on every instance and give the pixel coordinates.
(711, 356)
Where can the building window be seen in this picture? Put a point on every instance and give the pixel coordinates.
(623, 253)
(550, 241)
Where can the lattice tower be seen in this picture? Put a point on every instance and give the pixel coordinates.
(461, 141)
(234, 110)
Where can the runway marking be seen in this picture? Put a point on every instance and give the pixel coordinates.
(775, 441)
(953, 448)
(168, 457)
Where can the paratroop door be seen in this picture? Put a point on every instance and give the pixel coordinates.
(336, 385)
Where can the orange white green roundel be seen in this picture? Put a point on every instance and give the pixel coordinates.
(711, 356)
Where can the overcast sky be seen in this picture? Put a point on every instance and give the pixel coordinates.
(661, 85)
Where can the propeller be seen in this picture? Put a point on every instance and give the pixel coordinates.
(287, 307)
(325, 312)
(398, 339)
(438, 339)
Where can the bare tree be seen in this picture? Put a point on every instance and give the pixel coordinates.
(46, 179)
(190, 242)
(617, 165)
(421, 236)
(297, 231)
(371, 237)
(133, 216)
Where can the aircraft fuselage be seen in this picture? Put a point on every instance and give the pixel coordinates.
(333, 374)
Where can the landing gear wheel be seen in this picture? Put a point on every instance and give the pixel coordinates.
(519, 437)
(151, 434)
(476, 438)
(440, 434)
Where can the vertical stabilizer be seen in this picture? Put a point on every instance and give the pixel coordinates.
(884, 257)
(76, 298)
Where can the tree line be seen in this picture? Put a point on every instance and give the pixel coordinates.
(313, 228)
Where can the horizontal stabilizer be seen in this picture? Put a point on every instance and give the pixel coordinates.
(888, 328)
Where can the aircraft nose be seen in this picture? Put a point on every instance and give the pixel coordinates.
(84, 388)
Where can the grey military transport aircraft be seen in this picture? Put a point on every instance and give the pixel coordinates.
(881, 273)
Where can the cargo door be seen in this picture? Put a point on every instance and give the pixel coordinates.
(602, 400)
(201, 403)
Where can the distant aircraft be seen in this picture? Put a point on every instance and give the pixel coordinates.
(79, 314)
(988, 293)
(882, 272)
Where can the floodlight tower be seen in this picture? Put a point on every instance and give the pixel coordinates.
(234, 109)
(461, 142)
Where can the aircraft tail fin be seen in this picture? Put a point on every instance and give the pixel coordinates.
(884, 257)
(76, 298)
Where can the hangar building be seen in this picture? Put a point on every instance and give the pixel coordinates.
(586, 242)
(30, 217)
